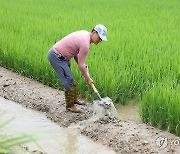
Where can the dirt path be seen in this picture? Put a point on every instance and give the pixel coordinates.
(123, 136)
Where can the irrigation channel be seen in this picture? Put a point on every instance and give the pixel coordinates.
(52, 138)
(55, 138)
(76, 132)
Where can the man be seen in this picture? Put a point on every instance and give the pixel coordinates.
(75, 45)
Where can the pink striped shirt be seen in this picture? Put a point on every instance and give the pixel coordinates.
(75, 45)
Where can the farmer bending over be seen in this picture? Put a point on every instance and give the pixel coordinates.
(75, 45)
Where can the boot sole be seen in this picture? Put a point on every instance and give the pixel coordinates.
(69, 109)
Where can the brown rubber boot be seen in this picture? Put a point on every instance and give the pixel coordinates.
(69, 97)
(76, 101)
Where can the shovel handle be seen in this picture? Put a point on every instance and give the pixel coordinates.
(94, 88)
(96, 92)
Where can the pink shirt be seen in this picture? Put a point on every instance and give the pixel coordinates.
(75, 45)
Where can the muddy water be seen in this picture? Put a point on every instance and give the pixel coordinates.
(129, 111)
(61, 141)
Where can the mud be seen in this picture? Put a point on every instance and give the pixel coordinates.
(120, 135)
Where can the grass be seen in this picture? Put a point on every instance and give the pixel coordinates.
(142, 49)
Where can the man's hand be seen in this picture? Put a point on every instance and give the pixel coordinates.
(90, 81)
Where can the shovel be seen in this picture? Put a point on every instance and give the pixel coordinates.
(103, 106)
(106, 102)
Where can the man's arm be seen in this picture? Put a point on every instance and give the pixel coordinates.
(81, 62)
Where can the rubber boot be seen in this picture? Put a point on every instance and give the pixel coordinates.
(76, 101)
(69, 97)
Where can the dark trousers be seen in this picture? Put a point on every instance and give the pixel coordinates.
(62, 68)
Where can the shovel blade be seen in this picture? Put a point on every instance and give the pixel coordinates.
(103, 108)
(107, 102)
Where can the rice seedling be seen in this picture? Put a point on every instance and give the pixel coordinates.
(9, 142)
(161, 107)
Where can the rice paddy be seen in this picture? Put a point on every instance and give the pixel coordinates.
(141, 55)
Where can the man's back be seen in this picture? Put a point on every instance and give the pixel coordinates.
(73, 43)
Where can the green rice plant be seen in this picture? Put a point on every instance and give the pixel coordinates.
(8, 142)
(161, 107)
(142, 48)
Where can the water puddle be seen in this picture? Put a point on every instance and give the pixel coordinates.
(65, 140)
(129, 111)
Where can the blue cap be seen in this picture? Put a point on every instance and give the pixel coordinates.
(102, 31)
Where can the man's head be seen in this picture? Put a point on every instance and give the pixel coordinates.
(98, 34)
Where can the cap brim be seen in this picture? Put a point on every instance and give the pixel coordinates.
(104, 38)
